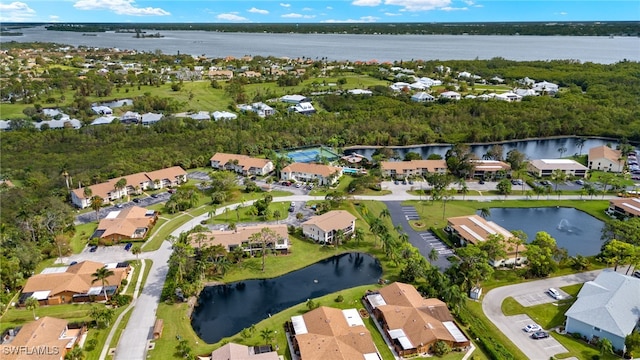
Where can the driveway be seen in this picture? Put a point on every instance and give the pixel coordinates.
(512, 326)
(424, 241)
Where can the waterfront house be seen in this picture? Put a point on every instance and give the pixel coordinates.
(490, 169)
(324, 228)
(323, 174)
(411, 323)
(73, 283)
(474, 230)
(328, 333)
(234, 351)
(624, 208)
(606, 159)
(241, 164)
(546, 167)
(241, 238)
(606, 308)
(404, 169)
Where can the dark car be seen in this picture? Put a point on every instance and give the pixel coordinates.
(136, 200)
(93, 248)
(540, 335)
(128, 247)
(154, 195)
(292, 208)
(481, 182)
(73, 263)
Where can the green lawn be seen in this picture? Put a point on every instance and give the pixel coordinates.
(579, 349)
(81, 236)
(243, 216)
(549, 315)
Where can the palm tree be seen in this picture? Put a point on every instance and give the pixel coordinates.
(518, 239)
(377, 227)
(87, 192)
(485, 213)
(136, 250)
(75, 354)
(338, 237)
(562, 150)
(32, 304)
(403, 237)
(65, 174)
(433, 255)
(558, 176)
(101, 275)
(385, 213)
(120, 184)
(266, 335)
(265, 236)
(579, 142)
(96, 204)
(358, 235)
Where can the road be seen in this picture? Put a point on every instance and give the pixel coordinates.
(512, 326)
(133, 344)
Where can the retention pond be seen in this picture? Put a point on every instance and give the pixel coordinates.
(225, 310)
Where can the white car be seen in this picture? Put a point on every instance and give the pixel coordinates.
(532, 328)
(554, 293)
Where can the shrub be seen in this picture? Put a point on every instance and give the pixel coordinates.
(124, 282)
(340, 298)
(440, 348)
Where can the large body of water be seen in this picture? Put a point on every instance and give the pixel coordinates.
(574, 230)
(352, 47)
(227, 309)
(533, 149)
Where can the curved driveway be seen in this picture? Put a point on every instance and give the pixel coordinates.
(133, 344)
(512, 326)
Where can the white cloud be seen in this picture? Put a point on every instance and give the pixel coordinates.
(364, 19)
(120, 7)
(449, 8)
(392, 14)
(15, 12)
(258, 11)
(298, 16)
(285, 5)
(329, 8)
(54, 18)
(419, 5)
(231, 17)
(366, 2)
(563, 13)
(307, 9)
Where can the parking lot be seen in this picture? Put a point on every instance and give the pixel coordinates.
(539, 297)
(435, 243)
(90, 216)
(549, 344)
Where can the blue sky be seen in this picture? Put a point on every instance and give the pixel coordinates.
(293, 11)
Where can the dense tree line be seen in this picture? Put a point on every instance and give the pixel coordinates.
(628, 28)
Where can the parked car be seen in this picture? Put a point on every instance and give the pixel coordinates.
(554, 293)
(154, 195)
(481, 182)
(171, 191)
(396, 182)
(128, 246)
(119, 206)
(73, 263)
(532, 328)
(636, 273)
(292, 208)
(93, 248)
(136, 200)
(580, 182)
(540, 335)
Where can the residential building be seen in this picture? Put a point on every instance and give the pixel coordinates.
(130, 117)
(126, 224)
(624, 208)
(309, 172)
(403, 169)
(47, 338)
(295, 99)
(606, 159)
(103, 120)
(74, 283)
(545, 87)
(304, 108)
(354, 159)
(360, 92)
(241, 164)
(262, 109)
(323, 228)
(508, 97)
(411, 323)
(525, 92)
(546, 167)
(241, 237)
(102, 110)
(224, 115)
(328, 333)
(451, 95)
(422, 97)
(474, 230)
(234, 351)
(606, 308)
(158, 179)
(400, 86)
(150, 118)
(64, 122)
(490, 169)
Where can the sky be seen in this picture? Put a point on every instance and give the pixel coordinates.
(316, 11)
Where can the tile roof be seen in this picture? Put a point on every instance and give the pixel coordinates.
(76, 279)
(610, 302)
(47, 332)
(430, 165)
(233, 351)
(329, 336)
(125, 222)
(475, 229)
(309, 168)
(227, 238)
(629, 205)
(335, 219)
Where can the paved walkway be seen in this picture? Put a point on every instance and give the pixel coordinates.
(512, 326)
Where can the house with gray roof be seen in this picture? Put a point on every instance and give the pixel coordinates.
(607, 307)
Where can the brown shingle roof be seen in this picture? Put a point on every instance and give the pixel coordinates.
(400, 166)
(471, 226)
(329, 336)
(233, 351)
(335, 219)
(46, 332)
(604, 152)
(316, 169)
(227, 238)
(126, 222)
(76, 279)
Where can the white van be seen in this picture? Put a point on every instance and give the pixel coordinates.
(554, 293)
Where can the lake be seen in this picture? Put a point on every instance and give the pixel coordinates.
(574, 230)
(532, 149)
(597, 49)
(225, 310)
